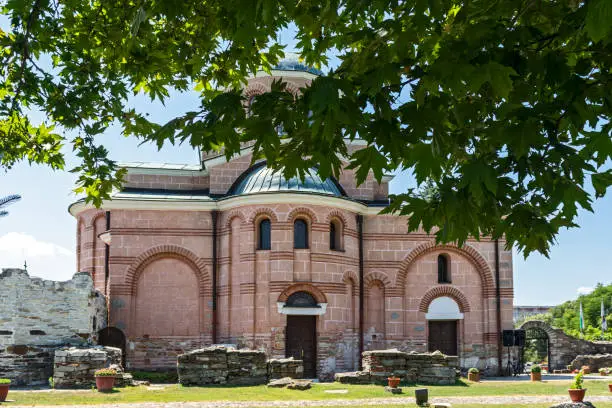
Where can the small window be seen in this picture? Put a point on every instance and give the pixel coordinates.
(300, 234)
(443, 269)
(264, 240)
(335, 236)
(37, 333)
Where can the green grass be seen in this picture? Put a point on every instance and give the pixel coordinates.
(262, 393)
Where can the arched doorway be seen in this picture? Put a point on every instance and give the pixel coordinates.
(443, 317)
(113, 337)
(537, 347)
(301, 331)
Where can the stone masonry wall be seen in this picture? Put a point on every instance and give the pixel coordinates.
(423, 368)
(221, 365)
(75, 367)
(37, 316)
(595, 362)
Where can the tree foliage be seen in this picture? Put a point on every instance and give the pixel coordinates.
(503, 104)
(566, 316)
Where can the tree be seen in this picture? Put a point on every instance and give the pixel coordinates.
(503, 104)
(8, 200)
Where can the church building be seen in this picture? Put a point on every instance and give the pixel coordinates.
(230, 252)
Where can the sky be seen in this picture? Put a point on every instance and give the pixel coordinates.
(40, 230)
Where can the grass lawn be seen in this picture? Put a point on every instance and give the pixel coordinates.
(262, 393)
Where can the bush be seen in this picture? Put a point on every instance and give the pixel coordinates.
(4, 381)
(155, 377)
(578, 380)
(536, 369)
(105, 372)
(473, 370)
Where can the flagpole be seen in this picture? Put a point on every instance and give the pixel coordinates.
(604, 323)
(581, 320)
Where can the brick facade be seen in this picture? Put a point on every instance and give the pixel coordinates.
(161, 263)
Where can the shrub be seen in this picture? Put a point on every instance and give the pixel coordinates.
(170, 377)
(106, 372)
(536, 369)
(4, 381)
(578, 380)
(473, 370)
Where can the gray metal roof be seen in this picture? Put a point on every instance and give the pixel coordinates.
(261, 179)
(292, 62)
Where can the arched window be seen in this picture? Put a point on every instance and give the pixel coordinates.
(300, 234)
(301, 299)
(263, 239)
(335, 235)
(443, 269)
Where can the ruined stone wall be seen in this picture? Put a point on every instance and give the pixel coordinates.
(75, 367)
(594, 361)
(285, 367)
(37, 316)
(563, 348)
(422, 368)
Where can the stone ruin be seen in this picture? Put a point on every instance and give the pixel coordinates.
(423, 368)
(594, 361)
(223, 365)
(38, 316)
(74, 367)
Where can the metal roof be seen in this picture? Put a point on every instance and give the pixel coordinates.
(292, 62)
(262, 179)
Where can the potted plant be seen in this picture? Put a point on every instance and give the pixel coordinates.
(536, 373)
(105, 379)
(576, 391)
(474, 374)
(586, 369)
(5, 384)
(604, 371)
(393, 381)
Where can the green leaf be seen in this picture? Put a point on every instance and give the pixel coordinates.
(598, 18)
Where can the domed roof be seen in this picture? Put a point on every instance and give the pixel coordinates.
(262, 179)
(292, 62)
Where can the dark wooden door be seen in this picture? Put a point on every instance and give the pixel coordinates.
(301, 342)
(443, 336)
(113, 337)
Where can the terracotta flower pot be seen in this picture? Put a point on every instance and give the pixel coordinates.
(610, 387)
(603, 373)
(393, 381)
(105, 383)
(4, 389)
(586, 370)
(536, 376)
(577, 395)
(474, 377)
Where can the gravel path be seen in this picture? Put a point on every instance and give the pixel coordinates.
(527, 399)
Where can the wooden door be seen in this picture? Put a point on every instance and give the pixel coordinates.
(301, 342)
(443, 336)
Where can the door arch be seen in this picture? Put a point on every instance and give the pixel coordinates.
(301, 332)
(537, 347)
(443, 321)
(113, 337)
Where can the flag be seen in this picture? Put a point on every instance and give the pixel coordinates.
(581, 318)
(604, 323)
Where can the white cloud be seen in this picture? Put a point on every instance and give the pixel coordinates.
(24, 245)
(585, 290)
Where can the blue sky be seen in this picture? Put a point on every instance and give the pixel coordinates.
(40, 229)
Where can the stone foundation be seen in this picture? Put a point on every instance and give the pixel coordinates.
(75, 367)
(595, 362)
(27, 365)
(285, 367)
(423, 368)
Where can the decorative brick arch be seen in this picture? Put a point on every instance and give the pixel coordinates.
(95, 216)
(448, 291)
(486, 276)
(336, 214)
(292, 88)
(372, 277)
(164, 252)
(255, 89)
(303, 287)
(350, 275)
(302, 211)
(268, 212)
(229, 217)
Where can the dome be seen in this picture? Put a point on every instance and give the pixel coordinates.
(292, 62)
(262, 179)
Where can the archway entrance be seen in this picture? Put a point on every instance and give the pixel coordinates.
(301, 332)
(443, 316)
(537, 348)
(113, 337)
